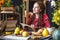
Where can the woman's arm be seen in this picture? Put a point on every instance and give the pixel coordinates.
(46, 20)
(29, 18)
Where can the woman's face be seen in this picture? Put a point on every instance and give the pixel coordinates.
(36, 8)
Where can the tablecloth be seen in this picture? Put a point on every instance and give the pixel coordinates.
(11, 37)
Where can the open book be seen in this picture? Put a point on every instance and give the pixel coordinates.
(25, 26)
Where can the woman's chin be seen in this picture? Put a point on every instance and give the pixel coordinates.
(36, 12)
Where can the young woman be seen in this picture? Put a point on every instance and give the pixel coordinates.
(38, 19)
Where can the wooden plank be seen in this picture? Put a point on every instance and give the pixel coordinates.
(7, 8)
(6, 12)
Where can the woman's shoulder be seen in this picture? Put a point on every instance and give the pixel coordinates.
(45, 15)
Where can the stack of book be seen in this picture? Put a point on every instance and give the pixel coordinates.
(11, 25)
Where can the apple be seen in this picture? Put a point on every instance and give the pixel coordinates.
(21, 32)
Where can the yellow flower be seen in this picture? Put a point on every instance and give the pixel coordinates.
(56, 17)
(59, 11)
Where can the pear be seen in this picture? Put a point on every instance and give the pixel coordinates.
(25, 34)
(17, 30)
(45, 32)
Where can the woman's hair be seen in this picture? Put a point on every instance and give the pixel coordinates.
(42, 7)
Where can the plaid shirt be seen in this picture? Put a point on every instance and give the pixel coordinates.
(44, 23)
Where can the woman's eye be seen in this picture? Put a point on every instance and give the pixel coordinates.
(37, 7)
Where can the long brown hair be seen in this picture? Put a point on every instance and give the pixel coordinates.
(42, 7)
